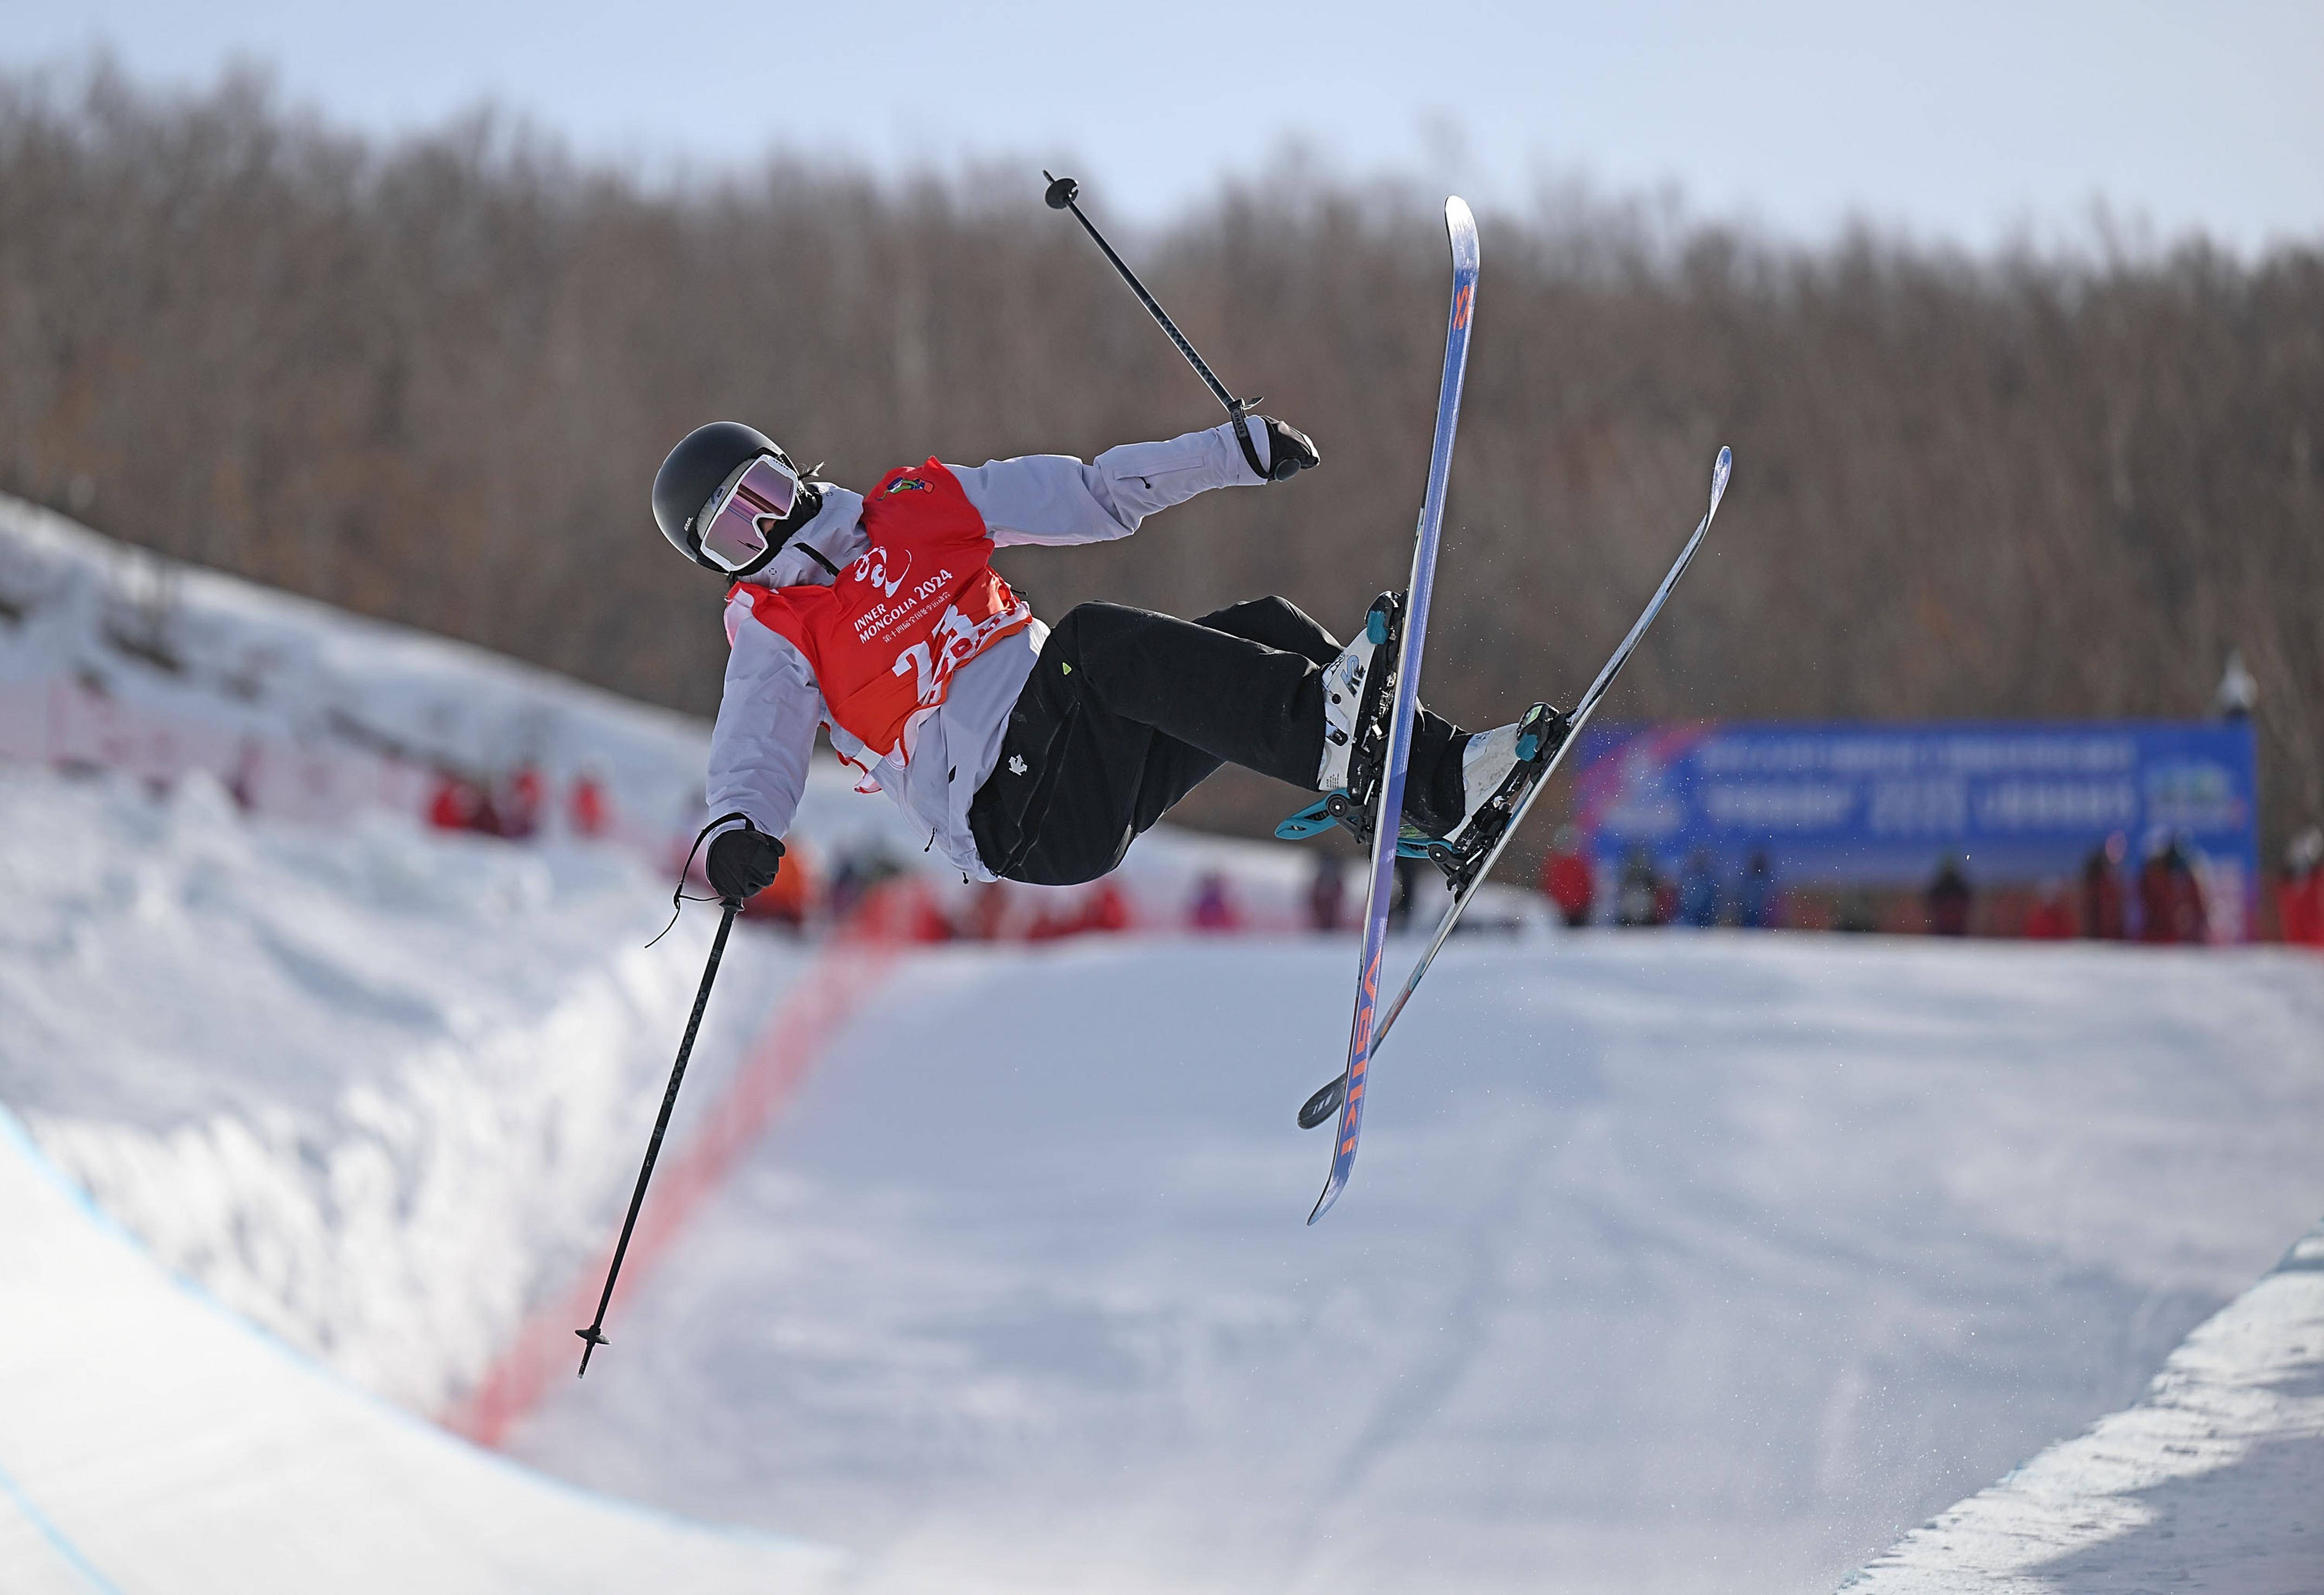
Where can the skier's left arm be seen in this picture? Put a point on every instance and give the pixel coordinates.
(1055, 499)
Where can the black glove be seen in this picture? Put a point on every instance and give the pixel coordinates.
(740, 864)
(1289, 449)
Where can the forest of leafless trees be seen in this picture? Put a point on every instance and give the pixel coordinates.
(431, 380)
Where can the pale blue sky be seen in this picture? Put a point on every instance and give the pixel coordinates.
(1964, 121)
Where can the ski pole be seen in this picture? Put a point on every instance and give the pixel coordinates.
(1063, 192)
(593, 1336)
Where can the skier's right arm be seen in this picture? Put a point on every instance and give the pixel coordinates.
(765, 733)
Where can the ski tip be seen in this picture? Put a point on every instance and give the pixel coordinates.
(1319, 1108)
(1719, 471)
(1331, 1189)
(1460, 225)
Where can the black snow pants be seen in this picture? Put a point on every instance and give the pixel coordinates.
(1127, 710)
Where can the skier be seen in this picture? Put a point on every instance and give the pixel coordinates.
(1024, 752)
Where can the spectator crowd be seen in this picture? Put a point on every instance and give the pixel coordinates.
(2165, 898)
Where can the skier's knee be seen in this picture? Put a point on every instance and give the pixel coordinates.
(1248, 617)
(1082, 623)
(1277, 622)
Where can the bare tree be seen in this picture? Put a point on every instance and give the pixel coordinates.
(431, 381)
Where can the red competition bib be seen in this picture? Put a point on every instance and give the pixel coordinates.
(886, 636)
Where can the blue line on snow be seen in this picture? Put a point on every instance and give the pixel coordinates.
(16, 1137)
(64, 1547)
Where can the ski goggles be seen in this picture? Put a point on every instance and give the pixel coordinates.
(743, 522)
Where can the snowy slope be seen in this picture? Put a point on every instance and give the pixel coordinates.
(114, 658)
(371, 1087)
(111, 655)
(2215, 1479)
(1672, 1263)
(151, 1442)
(372, 1084)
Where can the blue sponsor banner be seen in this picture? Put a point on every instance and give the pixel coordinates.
(1851, 804)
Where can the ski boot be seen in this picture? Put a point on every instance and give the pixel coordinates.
(1359, 695)
(1497, 768)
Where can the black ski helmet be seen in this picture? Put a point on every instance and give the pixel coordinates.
(700, 467)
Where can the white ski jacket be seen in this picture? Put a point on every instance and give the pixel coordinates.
(771, 705)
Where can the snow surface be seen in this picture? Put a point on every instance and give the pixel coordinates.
(374, 1088)
(149, 1441)
(1672, 1263)
(2215, 1480)
(112, 656)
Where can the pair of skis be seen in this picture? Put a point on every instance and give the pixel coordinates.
(1371, 1024)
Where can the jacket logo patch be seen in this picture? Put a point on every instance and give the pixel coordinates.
(906, 484)
(872, 567)
(1017, 765)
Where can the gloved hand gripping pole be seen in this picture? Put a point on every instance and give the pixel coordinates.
(593, 1336)
(1062, 194)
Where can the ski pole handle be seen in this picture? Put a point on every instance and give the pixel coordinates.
(593, 1336)
(1062, 194)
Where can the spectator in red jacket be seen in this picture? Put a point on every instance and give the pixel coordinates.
(2170, 899)
(1105, 911)
(1566, 879)
(2300, 890)
(2052, 916)
(586, 806)
(987, 913)
(790, 897)
(460, 805)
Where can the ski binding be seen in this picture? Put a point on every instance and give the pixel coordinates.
(1351, 805)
